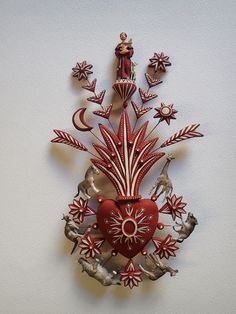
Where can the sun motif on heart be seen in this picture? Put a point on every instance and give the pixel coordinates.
(125, 153)
(129, 229)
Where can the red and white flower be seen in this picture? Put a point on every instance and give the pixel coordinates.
(131, 275)
(79, 209)
(165, 247)
(159, 62)
(174, 207)
(82, 70)
(165, 112)
(90, 246)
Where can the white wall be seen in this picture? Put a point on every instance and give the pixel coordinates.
(40, 42)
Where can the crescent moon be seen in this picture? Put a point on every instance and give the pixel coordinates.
(79, 121)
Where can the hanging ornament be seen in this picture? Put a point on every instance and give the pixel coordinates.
(130, 222)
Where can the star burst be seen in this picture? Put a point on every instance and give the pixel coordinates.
(90, 246)
(174, 207)
(131, 275)
(165, 113)
(79, 209)
(165, 247)
(82, 70)
(159, 62)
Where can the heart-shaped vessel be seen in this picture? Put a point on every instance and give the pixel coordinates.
(128, 225)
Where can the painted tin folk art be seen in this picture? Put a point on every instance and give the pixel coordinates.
(124, 241)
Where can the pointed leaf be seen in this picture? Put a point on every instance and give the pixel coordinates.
(183, 134)
(66, 138)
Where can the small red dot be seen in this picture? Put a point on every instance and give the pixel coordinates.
(95, 226)
(160, 226)
(100, 199)
(154, 197)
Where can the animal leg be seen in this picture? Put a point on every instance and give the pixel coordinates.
(172, 271)
(153, 187)
(158, 185)
(77, 192)
(157, 261)
(174, 227)
(149, 274)
(145, 271)
(165, 196)
(88, 230)
(86, 194)
(94, 187)
(74, 247)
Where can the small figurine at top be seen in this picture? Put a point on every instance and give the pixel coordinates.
(124, 52)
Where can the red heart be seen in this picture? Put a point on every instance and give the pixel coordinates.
(128, 225)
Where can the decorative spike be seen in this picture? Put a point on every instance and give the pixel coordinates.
(146, 96)
(138, 111)
(91, 86)
(105, 114)
(98, 99)
(152, 81)
(127, 167)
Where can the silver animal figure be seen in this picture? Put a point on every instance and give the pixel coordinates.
(99, 272)
(88, 182)
(157, 268)
(186, 227)
(163, 180)
(72, 231)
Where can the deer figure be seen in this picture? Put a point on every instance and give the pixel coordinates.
(88, 182)
(99, 272)
(163, 180)
(72, 231)
(186, 227)
(157, 268)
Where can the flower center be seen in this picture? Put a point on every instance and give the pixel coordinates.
(129, 227)
(165, 111)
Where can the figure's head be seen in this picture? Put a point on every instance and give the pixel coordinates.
(191, 219)
(94, 169)
(66, 218)
(170, 157)
(123, 36)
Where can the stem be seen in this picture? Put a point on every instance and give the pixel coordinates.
(152, 129)
(93, 154)
(111, 126)
(135, 125)
(97, 138)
